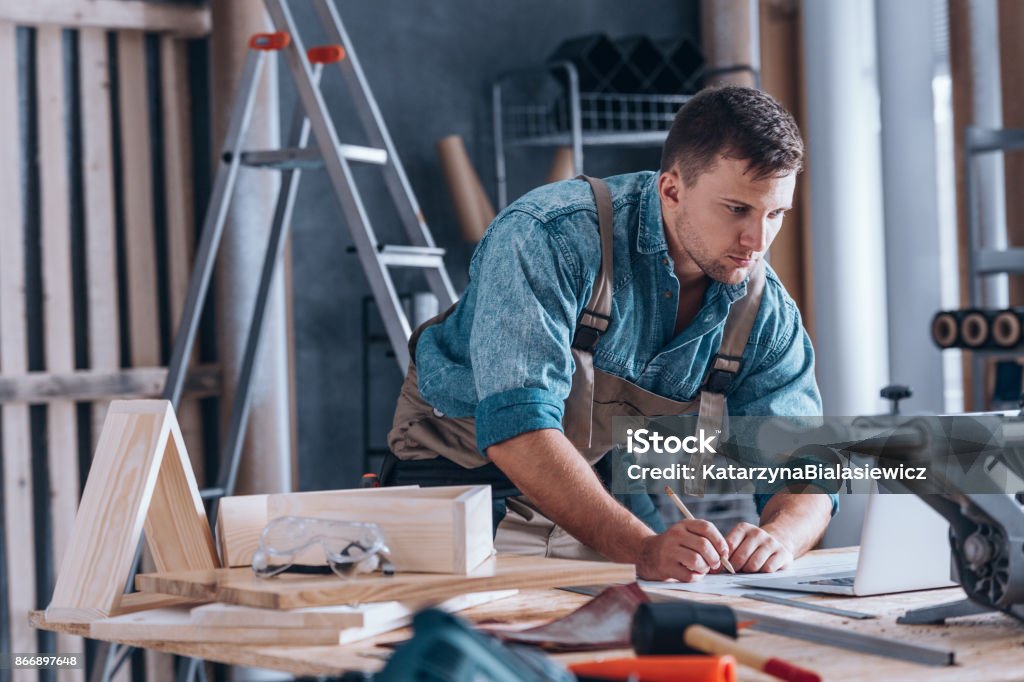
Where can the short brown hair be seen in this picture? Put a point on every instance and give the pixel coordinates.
(737, 122)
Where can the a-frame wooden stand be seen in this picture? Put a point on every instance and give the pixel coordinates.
(140, 476)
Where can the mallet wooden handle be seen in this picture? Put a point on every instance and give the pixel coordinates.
(707, 640)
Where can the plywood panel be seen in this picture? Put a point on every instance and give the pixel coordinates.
(19, 536)
(58, 318)
(289, 591)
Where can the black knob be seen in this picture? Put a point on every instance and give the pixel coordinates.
(895, 393)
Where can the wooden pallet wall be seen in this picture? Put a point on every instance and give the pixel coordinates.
(96, 241)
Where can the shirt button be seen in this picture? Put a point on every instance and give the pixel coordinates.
(668, 294)
(438, 413)
(707, 318)
(664, 261)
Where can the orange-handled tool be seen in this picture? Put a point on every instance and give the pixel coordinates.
(661, 669)
(687, 627)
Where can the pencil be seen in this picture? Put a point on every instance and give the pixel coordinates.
(687, 514)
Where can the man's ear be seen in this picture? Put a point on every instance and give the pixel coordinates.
(669, 187)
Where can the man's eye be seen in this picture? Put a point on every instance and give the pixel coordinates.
(777, 214)
(737, 210)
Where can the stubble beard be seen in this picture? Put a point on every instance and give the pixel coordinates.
(721, 270)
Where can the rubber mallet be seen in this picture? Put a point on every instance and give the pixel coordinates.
(688, 627)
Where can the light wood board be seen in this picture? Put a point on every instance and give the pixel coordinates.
(362, 615)
(99, 213)
(179, 624)
(122, 483)
(19, 535)
(58, 318)
(289, 591)
(241, 519)
(988, 647)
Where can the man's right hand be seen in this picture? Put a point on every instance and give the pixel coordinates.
(686, 551)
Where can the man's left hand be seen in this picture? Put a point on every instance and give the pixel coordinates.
(755, 550)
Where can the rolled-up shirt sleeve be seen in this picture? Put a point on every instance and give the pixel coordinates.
(526, 309)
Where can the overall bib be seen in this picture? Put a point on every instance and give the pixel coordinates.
(429, 448)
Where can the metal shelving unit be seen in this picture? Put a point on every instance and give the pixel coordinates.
(982, 261)
(543, 106)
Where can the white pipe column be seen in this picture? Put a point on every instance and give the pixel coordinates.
(913, 238)
(844, 173)
(266, 465)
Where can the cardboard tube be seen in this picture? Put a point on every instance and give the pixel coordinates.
(562, 167)
(472, 207)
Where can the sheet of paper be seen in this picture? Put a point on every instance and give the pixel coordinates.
(730, 585)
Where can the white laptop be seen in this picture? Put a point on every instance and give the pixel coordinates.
(904, 546)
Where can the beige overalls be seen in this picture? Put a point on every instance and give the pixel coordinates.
(420, 432)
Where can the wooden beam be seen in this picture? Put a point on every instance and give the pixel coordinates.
(137, 200)
(1011, 49)
(781, 77)
(186, 19)
(121, 487)
(963, 113)
(58, 317)
(180, 212)
(19, 534)
(99, 214)
(86, 385)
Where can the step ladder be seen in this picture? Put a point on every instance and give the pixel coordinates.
(324, 151)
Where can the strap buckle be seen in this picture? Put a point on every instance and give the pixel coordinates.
(719, 380)
(586, 338)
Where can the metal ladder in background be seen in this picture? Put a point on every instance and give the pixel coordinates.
(327, 152)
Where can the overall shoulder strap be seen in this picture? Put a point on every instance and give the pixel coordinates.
(597, 312)
(578, 417)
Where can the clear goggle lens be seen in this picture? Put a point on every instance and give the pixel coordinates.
(349, 547)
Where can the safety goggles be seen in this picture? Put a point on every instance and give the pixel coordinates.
(349, 547)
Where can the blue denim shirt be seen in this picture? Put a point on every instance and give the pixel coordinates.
(504, 355)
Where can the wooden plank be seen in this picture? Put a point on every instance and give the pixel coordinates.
(241, 519)
(426, 529)
(113, 508)
(1011, 52)
(180, 19)
(178, 624)
(358, 616)
(19, 535)
(987, 646)
(177, 530)
(137, 199)
(290, 591)
(437, 529)
(99, 215)
(58, 317)
(109, 384)
(961, 71)
(180, 214)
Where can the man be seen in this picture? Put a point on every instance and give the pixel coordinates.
(646, 291)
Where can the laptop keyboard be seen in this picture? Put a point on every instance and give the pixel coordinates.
(845, 581)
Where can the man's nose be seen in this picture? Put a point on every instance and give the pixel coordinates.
(756, 234)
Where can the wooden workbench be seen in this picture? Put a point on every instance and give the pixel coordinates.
(988, 647)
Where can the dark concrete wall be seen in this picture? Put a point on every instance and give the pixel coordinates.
(430, 65)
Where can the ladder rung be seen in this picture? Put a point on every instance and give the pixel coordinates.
(308, 157)
(412, 256)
